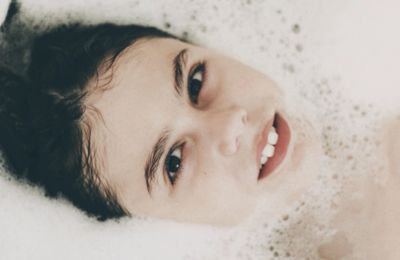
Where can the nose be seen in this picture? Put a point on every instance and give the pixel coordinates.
(229, 126)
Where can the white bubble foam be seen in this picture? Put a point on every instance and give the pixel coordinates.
(322, 54)
(3, 10)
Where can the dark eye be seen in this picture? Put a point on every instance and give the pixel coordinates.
(173, 164)
(195, 83)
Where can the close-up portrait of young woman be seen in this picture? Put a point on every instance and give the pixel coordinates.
(224, 138)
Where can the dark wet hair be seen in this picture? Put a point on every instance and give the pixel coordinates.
(43, 134)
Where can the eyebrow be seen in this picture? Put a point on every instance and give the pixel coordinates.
(178, 66)
(153, 160)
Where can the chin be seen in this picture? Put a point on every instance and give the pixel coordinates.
(298, 171)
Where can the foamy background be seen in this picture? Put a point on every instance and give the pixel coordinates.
(339, 57)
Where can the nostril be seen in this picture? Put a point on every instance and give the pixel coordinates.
(237, 143)
(244, 118)
(230, 130)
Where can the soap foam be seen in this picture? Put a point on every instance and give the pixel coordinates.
(3, 10)
(290, 41)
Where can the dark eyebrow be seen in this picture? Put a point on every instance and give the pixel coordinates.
(153, 160)
(179, 64)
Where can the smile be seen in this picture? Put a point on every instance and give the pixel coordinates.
(273, 146)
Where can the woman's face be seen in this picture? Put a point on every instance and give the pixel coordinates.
(182, 134)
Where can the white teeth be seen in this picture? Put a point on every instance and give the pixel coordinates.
(272, 136)
(264, 159)
(268, 151)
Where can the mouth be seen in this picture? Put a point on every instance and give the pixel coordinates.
(273, 146)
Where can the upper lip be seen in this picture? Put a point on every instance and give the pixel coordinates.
(262, 140)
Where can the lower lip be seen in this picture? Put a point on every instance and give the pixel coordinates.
(281, 147)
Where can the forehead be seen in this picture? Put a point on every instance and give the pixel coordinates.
(139, 103)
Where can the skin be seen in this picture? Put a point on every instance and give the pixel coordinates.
(375, 233)
(218, 179)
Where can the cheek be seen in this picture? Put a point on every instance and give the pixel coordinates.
(216, 200)
(306, 161)
(208, 207)
(246, 88)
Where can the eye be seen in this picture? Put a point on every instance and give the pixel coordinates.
(173, 163)
(195, 82)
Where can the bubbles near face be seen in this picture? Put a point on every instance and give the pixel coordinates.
(183, 134)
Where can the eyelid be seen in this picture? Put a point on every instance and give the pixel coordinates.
(200, 65)
(195, 67)
(178, 145)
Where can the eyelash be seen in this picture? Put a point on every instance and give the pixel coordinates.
(193, 97)
(176, 147)
(201, 68)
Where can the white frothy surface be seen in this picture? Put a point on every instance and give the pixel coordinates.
(3, 10)
(336, 59)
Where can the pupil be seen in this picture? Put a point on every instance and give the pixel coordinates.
(195, 87)
(173, 164)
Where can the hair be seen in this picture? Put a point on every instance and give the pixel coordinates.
(44, 134)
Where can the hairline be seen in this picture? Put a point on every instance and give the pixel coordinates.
(98, 84)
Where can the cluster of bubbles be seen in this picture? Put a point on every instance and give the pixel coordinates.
(278, 38)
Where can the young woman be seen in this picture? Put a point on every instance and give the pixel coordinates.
(130, 120)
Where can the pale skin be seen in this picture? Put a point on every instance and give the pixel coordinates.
(368, 224)
(217, 179)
